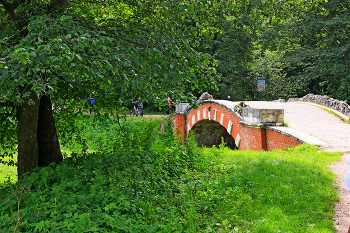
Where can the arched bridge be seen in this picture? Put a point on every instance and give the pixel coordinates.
(239, 126)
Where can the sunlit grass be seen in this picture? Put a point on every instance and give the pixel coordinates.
(8, 173)
(257, 191)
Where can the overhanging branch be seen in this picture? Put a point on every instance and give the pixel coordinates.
(335, 79)
(9, 9)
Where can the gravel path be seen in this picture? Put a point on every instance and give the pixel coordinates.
(330, 129)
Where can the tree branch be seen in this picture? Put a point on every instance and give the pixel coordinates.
(335, 79)
(59, 3)
(9, 9)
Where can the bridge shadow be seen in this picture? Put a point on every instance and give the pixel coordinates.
(210, 133)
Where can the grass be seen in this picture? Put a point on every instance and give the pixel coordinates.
(288, 191)
(8, 173)
(146, 182)
(154, 113)
(8, 170)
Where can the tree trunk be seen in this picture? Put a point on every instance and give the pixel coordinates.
(48, 144)
(37, 137)
(27, 127)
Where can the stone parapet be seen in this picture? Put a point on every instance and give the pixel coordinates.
(181, 108)
(263, 116)
(324, 100)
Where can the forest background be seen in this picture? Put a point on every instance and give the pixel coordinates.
(299, 47)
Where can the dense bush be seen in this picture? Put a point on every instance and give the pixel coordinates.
(106, 189)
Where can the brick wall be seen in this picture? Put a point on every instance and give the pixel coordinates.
(277, 140)
(179, 124)
(253, 138)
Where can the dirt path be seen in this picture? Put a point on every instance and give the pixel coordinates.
(330, 129)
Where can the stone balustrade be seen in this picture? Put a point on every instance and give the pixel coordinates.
(338, 105)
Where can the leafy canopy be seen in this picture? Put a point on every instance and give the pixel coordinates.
(116, 49)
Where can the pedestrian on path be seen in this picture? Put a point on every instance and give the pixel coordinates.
(92, 102)
(347, 175)
(139, 104)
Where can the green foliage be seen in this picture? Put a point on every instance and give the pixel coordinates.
(115, 50)
(313, 41)
(232, 48)
(268, 65)
(106, 187)
(8, 137)
(136, 49)
(138, 179)
(8, 171)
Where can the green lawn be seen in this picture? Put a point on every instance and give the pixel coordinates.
(8, 173)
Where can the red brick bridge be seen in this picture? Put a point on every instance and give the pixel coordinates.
(240, 127)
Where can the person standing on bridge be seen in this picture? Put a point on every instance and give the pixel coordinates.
(229, 98)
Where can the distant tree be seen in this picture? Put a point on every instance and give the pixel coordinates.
(315, 42)
(269, 65)
(232, 48)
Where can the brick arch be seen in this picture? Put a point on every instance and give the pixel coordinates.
(216, 117)
(252, 129)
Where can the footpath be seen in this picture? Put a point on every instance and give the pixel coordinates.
(325, 126)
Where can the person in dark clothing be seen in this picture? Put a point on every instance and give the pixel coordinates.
(92, 103)
(229, 98)
(139, 104)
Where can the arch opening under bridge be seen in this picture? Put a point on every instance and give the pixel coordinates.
(211, 133)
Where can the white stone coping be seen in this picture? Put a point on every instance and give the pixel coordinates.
(297, 135)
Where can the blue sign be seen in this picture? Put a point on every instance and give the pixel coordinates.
(261, 84)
